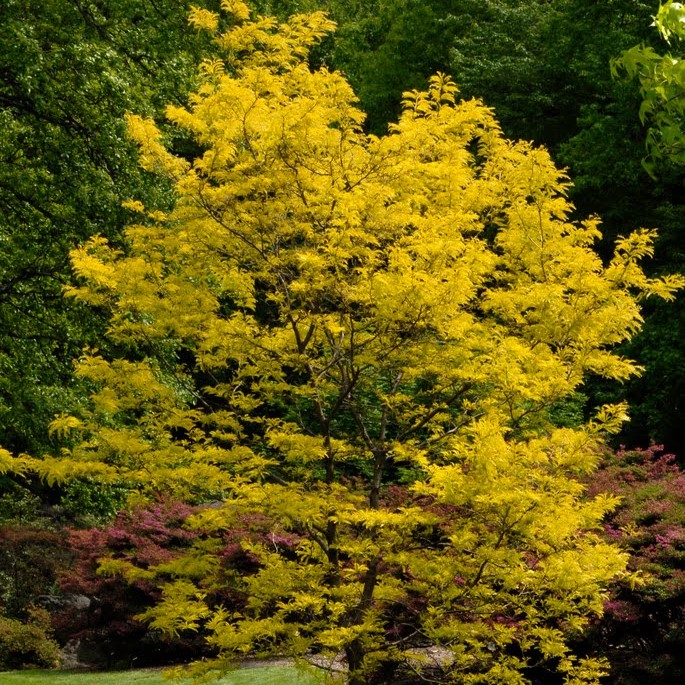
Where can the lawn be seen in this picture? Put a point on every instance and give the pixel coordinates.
(271, 675)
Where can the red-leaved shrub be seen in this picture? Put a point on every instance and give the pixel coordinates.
(643, 629)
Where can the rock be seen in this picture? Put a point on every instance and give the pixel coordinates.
(69, 657)
(54, 603)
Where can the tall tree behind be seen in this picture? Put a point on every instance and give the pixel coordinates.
(68, 72)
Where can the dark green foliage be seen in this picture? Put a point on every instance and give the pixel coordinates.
(27, 644)
(658, 398)
(385, 48)
(18, 505)
(84, 502)
(68, 73)
(29, 559)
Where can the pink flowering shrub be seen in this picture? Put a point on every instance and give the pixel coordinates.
(108, 632)
(146, 537)
(643, 629)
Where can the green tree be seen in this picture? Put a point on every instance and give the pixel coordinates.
(385, 48)
(68, 72)
(662, 86)
(357, 343)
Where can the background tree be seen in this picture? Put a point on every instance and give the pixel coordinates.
(662, 84)
(385, 48)
(325, 314)
(68, 73)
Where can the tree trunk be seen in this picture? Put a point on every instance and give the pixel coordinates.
(355, 658)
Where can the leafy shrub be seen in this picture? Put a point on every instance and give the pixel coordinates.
(87, 503)
(28, 644)
(29, 559)
(109, 633)
(643, 629)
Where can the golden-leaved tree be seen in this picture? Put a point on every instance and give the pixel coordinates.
(351, 347)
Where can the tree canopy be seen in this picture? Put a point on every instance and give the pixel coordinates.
(354, 346)
(68, 73)
(662, 86)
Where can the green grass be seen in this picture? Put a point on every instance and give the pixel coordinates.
(272, 675)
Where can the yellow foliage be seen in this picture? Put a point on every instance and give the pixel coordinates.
(134, 206)
(237, 8)
(202, 19)
(356, 343)
(182, 610)
(63, 424)
(6, 462)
